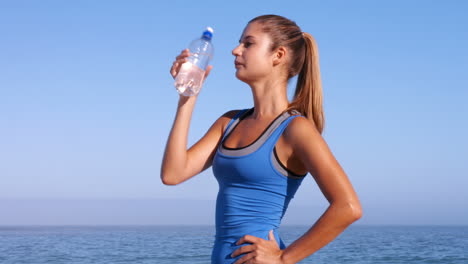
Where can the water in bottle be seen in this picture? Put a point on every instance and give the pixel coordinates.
(189, 80)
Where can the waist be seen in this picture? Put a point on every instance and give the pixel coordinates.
(224, 246)
(240, 210)
(231, 231)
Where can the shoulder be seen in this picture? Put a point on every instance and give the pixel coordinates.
(225, 118)
(307, 142)
(301, 129)
(231, 113)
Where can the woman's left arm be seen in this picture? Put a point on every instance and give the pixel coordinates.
(344, 208)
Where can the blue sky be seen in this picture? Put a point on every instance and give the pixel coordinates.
(87, 102)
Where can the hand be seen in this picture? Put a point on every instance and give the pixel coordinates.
(181, 59)
(260, 252)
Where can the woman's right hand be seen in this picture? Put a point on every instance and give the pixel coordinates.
(179, 61)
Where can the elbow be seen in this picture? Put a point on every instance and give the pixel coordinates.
(168, 179)
(356, 211)
(350, 212)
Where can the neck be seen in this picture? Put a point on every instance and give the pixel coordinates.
(270, 99)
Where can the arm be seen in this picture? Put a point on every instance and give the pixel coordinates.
(344, 208)
(180, 164)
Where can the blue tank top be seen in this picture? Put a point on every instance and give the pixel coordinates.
(254, 188)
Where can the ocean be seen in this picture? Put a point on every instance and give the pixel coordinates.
(192, 244)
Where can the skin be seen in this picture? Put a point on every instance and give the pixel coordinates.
(301, 148)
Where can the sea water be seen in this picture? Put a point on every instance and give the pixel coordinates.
(193, 244)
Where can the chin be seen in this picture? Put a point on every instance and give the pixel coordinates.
(239, 76)
(242, 77)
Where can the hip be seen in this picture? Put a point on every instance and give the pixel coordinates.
(224, 246)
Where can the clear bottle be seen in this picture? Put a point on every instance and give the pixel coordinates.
(189, 80)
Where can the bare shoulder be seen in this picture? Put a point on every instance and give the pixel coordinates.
(310, 148)
(301, 129)
(224, 119)
(230, 114)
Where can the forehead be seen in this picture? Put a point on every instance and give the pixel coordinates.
(253, 30)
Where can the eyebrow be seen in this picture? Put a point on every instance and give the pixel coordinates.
(247, 37)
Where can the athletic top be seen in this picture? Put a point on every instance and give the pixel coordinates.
(254, 188)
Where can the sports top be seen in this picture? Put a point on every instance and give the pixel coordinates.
(254, 188)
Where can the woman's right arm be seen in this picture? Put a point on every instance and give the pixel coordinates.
(180, 164)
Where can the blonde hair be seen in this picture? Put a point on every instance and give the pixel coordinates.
(308, 98)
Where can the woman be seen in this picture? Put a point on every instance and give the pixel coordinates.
(261, 155)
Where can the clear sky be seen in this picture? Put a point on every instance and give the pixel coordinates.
(87, 103)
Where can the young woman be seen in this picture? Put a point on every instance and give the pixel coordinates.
(261, 155)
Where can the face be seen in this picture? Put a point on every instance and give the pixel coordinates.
(253, 56)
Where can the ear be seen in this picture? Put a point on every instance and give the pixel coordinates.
(279, 55)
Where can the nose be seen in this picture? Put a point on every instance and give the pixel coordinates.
(236, 51)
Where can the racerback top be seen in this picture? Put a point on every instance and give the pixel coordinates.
(254, 187)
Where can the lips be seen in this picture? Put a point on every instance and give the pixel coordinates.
(238, 64)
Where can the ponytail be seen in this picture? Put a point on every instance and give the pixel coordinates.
(308, 98)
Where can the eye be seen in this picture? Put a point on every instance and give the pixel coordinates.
(247, 44)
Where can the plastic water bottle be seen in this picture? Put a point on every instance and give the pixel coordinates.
(189, 80)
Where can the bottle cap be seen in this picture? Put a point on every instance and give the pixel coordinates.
(208, 33)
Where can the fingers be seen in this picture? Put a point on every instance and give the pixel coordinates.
(271, 236)
(260, 250)
(246, 258)
(183, 54)
(180, 59)
(248, 239)
(207, 72)
(243, 250)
